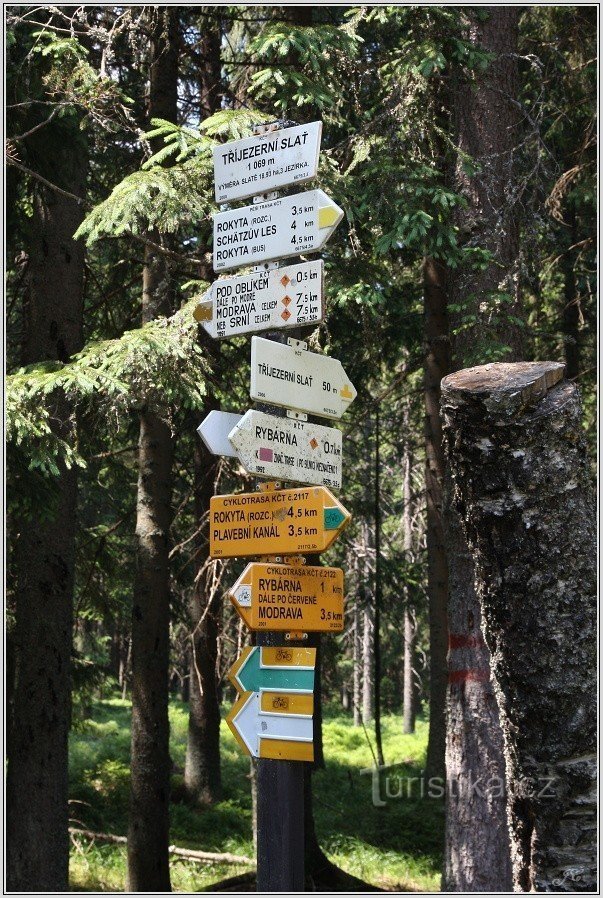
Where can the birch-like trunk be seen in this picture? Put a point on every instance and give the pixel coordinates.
(522, 487)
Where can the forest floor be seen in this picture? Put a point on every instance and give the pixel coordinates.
(397, 846)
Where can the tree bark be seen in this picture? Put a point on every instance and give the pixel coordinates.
(487, 306)
(377, 595)
(367, 665)
(38, 723)
(571, 311)
(409, 630)
(202, 771)
(523, 489)
(209, 69)
(357, 655)
(148, 830)
(436, 365)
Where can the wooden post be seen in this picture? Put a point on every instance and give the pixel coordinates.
(523, 488)
(280, 784)
(280, 810)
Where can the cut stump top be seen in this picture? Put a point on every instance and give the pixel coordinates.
(504, 387)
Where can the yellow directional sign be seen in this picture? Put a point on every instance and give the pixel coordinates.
(275, 522)
(285, 597)
(272, 716)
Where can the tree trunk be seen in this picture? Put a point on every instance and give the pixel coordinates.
(571, 309)
(209, 69)
(202, 772)
(477, 857)
(367, 665)
(408, 725)
(357, 649)
(523, 489)
(148, 830)
(377, 593)
(37, 844)
(253, 779)
(437, 364)
(409, 630)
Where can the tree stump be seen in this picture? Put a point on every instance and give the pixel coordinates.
(523, 489)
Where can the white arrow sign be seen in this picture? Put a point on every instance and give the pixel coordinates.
(281, 297)
(255, 165)
(214, 430)
(253, 724)
(289, 226)
(288, 450)
(284, 375)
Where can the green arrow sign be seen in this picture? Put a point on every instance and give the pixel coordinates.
(271, 668)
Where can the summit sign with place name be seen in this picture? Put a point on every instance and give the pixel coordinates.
(269, 161)
(265, 232)
(278, 298)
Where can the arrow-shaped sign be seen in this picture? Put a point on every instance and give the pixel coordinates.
(289, 226)
(289, 669)
(272, 716)
(286, 597)
(275, 522)
(285, 375)
(272, 725)
(266, 162)
(214, 430)
(286, 449)
(278, 298)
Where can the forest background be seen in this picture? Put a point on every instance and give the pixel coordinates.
(461, 143)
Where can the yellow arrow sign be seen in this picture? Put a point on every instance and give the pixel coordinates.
(276, 522)
(285, 597)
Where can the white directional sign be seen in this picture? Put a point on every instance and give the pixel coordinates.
(284, 375)
(263, 732)
(214, 430)
(275, 159)
(289, 226)
(286, 449)
(281, 297)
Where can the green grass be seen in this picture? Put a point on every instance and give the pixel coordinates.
(398, 846)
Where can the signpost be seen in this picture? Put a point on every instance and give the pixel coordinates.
(289, 226)
(276, 522)
(286, 449)
(266, 162)
(272, 716)
(214, 430)
(281, 297)
(289, 597)
(288, 376)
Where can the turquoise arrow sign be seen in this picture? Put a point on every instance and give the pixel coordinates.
(274, 668)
